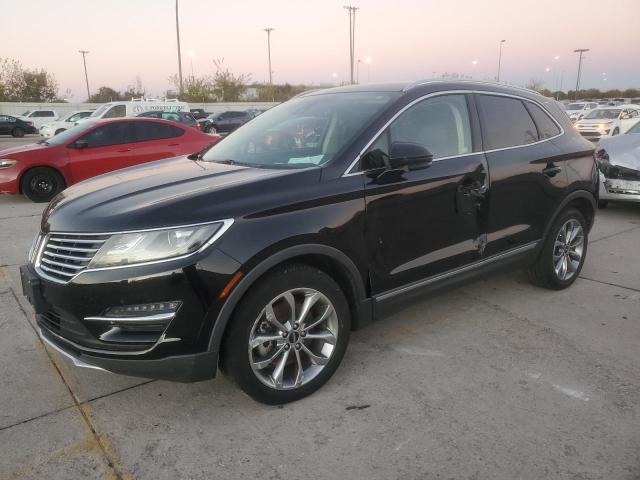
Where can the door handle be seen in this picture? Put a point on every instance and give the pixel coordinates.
(551, 170)
(174, 144)
(124, 150)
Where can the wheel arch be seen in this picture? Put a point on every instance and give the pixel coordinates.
(328, 259)
(583, 200)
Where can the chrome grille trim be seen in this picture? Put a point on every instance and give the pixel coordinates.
(64, 255)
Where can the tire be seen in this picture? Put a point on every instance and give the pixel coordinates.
(41, 184)
(603, 203)
(60, 130)
(616, 131)
(211, 130)
(255, 369)
(544, 272)
(17, 132)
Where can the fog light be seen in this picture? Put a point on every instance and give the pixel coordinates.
(143, 309)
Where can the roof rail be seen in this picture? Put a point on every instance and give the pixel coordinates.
(143, 99)
(475, 82)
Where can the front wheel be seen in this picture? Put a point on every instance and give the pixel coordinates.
(41, 184)
(60, 130)
(563, 254)
(288, 335)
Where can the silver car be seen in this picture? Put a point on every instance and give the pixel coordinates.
(619, 164)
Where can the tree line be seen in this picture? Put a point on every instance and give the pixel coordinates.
(20, 84)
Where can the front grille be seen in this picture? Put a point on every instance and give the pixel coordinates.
(65, 255)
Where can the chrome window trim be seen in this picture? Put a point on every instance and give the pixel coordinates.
(349, 173)
(226, 224)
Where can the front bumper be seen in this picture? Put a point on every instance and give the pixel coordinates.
(619, 190)
(9, 180)
(177, 349)
(594, 134)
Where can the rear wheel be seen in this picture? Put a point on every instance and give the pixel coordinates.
(17, 132)
(288, 335)
(563, 254)
(41, 184)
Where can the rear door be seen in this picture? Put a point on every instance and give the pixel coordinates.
(427, 220)
(109, 147)
(528, 180)
(628, 119)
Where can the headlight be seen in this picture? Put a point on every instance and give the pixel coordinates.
(7, 162)
(124, 249)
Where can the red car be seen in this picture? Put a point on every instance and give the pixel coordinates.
(41, 170)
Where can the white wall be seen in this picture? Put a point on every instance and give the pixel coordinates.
(17, 108)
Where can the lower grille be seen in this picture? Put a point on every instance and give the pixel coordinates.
(65, 255)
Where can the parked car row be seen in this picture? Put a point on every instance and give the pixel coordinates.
(15, 126)
(608, 121)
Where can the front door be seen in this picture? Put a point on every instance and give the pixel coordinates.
(108, 147)
(427, 220)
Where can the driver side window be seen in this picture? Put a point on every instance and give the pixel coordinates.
(440, 124)
(110, 134)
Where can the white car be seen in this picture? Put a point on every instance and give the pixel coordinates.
(618, 160)
(577, 110)
(39, 117)
(50, 129)
(135, 107)
(608, 121)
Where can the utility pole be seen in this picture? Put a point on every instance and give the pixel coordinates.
(86, 77)
(179, 54)
(352, 29)
(579, 51)
(499, 60)
(269, 30)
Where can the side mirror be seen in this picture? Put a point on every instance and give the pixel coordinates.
(407, 154)
(79, 144)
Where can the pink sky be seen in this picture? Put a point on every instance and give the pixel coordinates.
(406, 39)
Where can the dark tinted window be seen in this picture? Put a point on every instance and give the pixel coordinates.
(111, 134)
(7, 119)
(506, 123)
(43, 113)
(546, 127)
(147, 131)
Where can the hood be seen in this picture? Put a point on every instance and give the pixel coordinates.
(175, 191)
(22, 149)
(623, 150)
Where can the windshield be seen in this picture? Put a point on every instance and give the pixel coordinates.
(303, 132)
(575, 106)
(100, 110)
(608, 113)
(64, 137)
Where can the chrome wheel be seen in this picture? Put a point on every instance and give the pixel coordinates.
(293, 338)
(568, 249)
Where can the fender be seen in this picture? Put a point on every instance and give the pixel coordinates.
(363, 304)
(583, 194)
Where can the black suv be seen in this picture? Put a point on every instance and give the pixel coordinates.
(224, 122)
(261, 254)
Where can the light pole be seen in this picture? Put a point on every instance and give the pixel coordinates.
(358, 71)
(269, 30)
(499, 60)
(352, 29)
(179, 54)
(555, 75)
(368, 62)
(86, 77)
(580, 51)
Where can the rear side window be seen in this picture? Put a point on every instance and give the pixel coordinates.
(546, 127)
(111, 134)
(43, 113)
(116, 112)
(505, 122)
(147, 131)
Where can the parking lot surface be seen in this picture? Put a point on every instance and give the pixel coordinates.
(496, 379)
